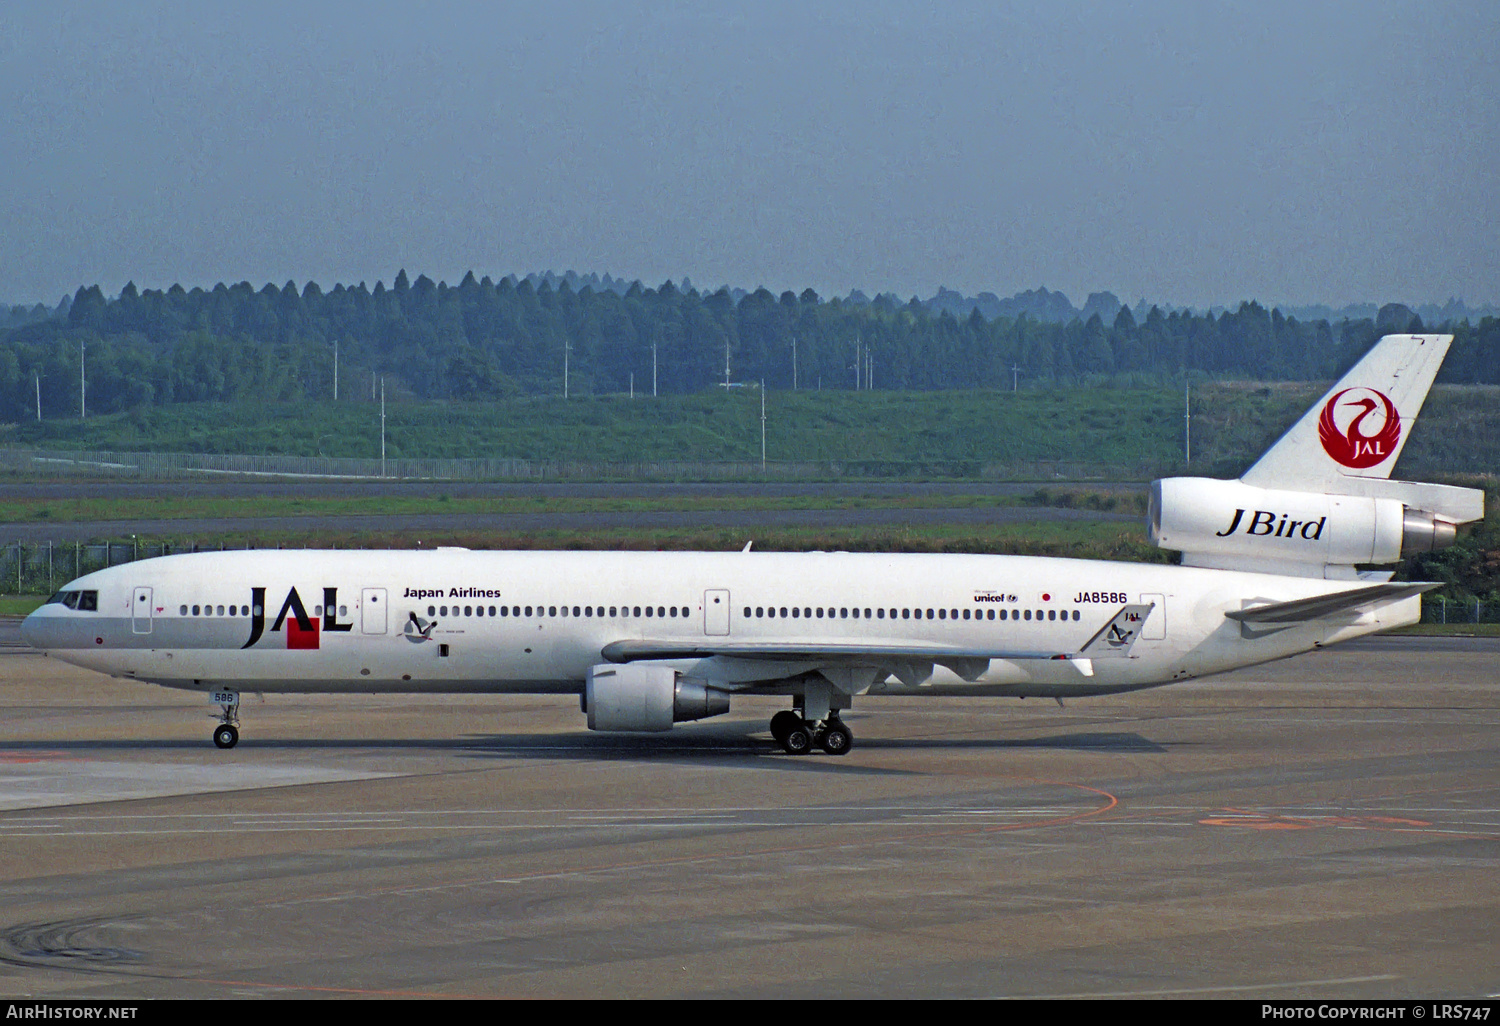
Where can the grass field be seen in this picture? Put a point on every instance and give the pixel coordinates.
(167, 506)
(1136, 430)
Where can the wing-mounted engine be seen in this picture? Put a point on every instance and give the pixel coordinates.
(646, 697)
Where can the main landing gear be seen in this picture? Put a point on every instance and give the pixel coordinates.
(799, 737)
(227, 734)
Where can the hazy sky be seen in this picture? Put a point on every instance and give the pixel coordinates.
(1191, 152)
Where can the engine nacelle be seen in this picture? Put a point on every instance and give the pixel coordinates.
(1235, 525)
(641, 696)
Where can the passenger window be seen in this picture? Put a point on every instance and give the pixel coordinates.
(760, 611)
(992, 613)
(575, 611)
(468, 610)
(783, 612)
(942, 614)
(432, 611)
(966, 614)
(1028, 614)
(820, 612)
(221, 610)
(195, 611)
(879, 614)
(1075, 614)
(795, 612)
(182, 611)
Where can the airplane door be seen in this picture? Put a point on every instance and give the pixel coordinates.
(716, 612)
(1155, 627)
(140, 611)
(372, 614)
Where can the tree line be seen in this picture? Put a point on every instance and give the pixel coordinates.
(484, 340)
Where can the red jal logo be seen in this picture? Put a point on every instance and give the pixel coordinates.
(1351, 445)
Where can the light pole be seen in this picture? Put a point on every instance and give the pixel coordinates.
(382, 427)
(762, 425)
(794, 363)
(653, 370)
(1187, 422)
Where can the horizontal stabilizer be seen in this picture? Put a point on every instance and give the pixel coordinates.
(1322, 607)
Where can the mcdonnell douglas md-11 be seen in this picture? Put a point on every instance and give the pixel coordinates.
(1273, 564)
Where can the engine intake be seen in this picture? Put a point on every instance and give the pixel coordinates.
(644, 697)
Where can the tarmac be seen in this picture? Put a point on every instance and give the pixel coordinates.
(1324, 827)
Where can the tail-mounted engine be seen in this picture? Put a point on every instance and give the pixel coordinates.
(641, 696)
(1238, 526)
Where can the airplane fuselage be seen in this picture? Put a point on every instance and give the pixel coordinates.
(460, 621)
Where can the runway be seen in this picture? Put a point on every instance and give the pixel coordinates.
(1324, 827)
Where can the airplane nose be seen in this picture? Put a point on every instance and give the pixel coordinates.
(31, 631)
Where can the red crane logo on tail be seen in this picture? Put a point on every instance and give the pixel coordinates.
(1371, 428)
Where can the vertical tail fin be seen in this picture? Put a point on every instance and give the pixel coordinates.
(1360, 426)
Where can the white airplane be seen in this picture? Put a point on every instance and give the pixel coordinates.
(1271, 568)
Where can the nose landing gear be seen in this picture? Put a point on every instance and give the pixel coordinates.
(227, 734)
(796, 736)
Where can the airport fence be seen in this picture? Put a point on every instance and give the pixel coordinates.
(180, 466)
(40, 568)
(1442, 609)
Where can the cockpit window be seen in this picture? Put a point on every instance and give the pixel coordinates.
(84, 601)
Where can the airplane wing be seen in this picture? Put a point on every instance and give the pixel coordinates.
(1323, 607)
(1113, 640)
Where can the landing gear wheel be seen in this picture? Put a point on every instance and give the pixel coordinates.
(798, 740)
(783, 722)
(836, 739)
(226, 736)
